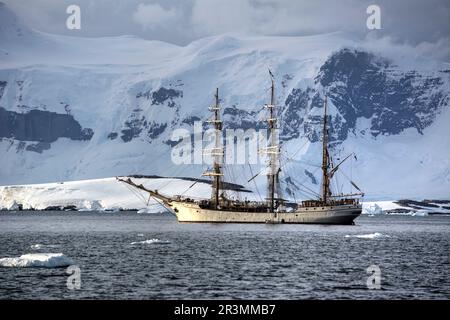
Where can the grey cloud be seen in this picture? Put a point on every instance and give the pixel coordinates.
(416, 22)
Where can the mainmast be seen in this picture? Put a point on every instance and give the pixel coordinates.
(325, 176)
(216, 152)
(272, 149)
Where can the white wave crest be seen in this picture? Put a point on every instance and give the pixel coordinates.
(39, 246)
(367, 236)
(152, 241)
(43, 260)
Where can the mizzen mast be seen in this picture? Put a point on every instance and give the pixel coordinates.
(325, 163)
(216, 153)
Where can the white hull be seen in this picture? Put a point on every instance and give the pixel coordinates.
(342, 214)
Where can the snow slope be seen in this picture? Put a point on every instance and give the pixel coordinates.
(124, 96)
(98, 194)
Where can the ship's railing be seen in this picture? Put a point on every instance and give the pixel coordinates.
(333, 202)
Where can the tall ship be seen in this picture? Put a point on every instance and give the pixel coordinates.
(328, 208)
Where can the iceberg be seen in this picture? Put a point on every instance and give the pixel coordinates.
(367, 236)
(37, 260)
(374, 209)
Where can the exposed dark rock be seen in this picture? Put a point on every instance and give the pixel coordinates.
(292, 117)
(42, 126)
(172, 143)
(39, 147)
(112, 135)
(61, 208)
(235, 118)
(162, 95)
(190, 120)
(311, 176)
(137, 123)
(133, 129)
(2, 87)
(361, 84)
(145, 94)
(415, 204)
(437, 201)
(20, 146)
(155, 129)
(398, 210)
(286, 79)
(53, 208)
(86, 134)
(290, 186)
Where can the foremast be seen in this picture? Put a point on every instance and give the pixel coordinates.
(272, 150)
(216, 153)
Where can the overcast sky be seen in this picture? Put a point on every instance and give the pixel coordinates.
(422, 23)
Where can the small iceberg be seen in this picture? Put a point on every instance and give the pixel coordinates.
(372, 210)
(367, 236)
(37, 260)
(39, 246)
(420, 213)
(152, 241)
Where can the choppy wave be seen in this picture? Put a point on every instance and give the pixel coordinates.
(152, 241)
(43, 260)
(367, 236)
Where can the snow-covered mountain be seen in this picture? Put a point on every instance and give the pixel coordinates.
(82, 108)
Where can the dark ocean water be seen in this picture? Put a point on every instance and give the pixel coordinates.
(221, 261)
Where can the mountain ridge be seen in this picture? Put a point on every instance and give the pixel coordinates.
(130, 94)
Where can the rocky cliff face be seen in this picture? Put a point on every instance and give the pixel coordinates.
(41, 126)
(361, 85)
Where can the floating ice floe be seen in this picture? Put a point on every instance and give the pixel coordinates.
(367, 236)
(39, 246)
(152, 241)
(43, 260)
